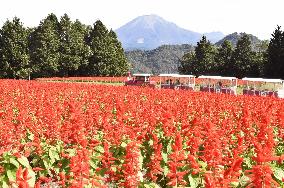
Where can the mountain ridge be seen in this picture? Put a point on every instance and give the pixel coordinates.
(148, 32)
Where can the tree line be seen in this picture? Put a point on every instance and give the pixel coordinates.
(240, 61)
(59, 47)
(164, 59)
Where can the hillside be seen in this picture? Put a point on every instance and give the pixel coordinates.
(151, 31)
(164, 59)
(234, 37)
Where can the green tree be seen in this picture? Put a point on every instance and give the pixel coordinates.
(97, 40)
(187, 63)
(274, 66)
(224, 59)
(245, 60)
(121, 66)
(202, 61)
(74, 52)
(14, 51)
(44, 47)
(107, 57)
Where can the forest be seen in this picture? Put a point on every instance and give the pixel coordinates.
(240, 61)
(60, 47)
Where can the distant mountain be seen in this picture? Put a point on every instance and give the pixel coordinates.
(234, 37)
(164, 59)
(214, 36)
(151, 31)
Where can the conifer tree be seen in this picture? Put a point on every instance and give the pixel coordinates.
(107, 57)
(14, 54)
(224, 59)
(274, 66)
(121, 64)
(203, 59)
(44, 48)
(245, 61)
(73, 50)
(187, 63)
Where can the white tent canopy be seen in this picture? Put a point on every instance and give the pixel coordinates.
(263, 80)
(142, 74)
(168, 75)
(209, 77)
(227, 78)
(185, 76)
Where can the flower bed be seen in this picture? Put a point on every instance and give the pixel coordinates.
(77, 135)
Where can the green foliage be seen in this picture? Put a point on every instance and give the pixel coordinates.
(235, 37)
(11, 164)
(205, 53)
(164, 59)
(107, 57)
(74, 52)
(226, 61)
(14, 55)
(202, 61)
(59, 48)
(274, 67)
(67, 48)
(44, 48)
(186, 63)
(245, 60)
(224, 58)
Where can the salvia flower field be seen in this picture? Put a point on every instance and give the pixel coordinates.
(84, 135)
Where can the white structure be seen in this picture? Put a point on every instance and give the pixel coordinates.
(176, 81)
(140, 80)
(264, 87)
(186, 82)
(219, 84)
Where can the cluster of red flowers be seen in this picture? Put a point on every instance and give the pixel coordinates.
(74, 135)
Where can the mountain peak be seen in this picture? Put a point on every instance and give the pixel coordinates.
(150, 18)
(151, 31)
(146, 21)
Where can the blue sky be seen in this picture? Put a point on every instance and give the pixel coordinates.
(256, 17)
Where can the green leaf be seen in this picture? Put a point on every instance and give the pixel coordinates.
(30, 136)
(93, 164)
(234, 184)
(53, 154)
(278, 173)
(165, 157)
(47, 163)
(166, 170)
(192, 182)
(151, 185)
(244, 180)
(123, 144)
(100, 149)
(24, 161)
(14, 162)
(169, 148)
(203, 164)
(5, 183)
(140, 158)
(71, 152)
(248, 162)
(11, 174)
(32, 177)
